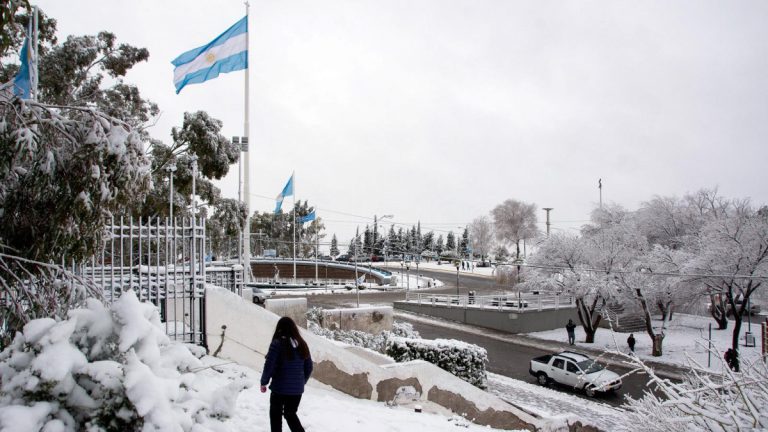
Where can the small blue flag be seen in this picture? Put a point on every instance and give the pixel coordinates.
(23, 80)
(308, 218)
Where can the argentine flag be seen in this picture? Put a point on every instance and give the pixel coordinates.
(226, 53)
(287, 191)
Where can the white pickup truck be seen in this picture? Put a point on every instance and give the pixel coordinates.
(574, 370)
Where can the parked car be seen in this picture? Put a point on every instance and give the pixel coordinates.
(574, 370)
(344, 257)
(259, 295)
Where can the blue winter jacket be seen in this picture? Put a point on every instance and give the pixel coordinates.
(288, 375)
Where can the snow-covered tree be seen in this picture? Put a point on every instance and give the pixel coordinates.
(727, 401)
(562, 264)
(439, 247)
(428, 241)
(514, 221)
(334, 251)
(481, 236)
(63, 170)
(450, 242)
(731, 254)
(226, 223)
(464, 246)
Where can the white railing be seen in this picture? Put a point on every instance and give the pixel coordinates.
(507, 301)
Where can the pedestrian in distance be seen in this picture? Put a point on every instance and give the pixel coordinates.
(287, 366)
(631, 342)
(571, 329)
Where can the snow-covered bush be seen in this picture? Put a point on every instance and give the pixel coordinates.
(464, 360)
(403, 343)
(106, 370)
(33, 290)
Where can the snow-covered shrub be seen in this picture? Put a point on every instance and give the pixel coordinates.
(464, 360)
(33, 289)
(106, 370)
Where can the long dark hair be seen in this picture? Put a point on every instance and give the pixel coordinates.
(287, 329)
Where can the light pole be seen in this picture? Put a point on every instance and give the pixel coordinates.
(170, 169)
(457, 278)
(408, 277)
(548, 209)
(376, 229)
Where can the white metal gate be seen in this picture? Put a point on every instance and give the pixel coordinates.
(163, 263)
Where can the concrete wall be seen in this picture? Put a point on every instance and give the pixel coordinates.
(368, 319)
(510, 321)
(296, 308)
(241, 331)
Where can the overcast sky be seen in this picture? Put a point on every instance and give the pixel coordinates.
(438, 110)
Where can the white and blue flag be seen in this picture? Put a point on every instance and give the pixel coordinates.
(308, 218)
(22, 82)
(287, 191)
(226, 53)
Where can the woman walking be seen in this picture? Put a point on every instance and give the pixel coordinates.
(288, 365)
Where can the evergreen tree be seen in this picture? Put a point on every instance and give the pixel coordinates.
(428, 241)
(450, 242)
(334, 246)
(367, 241)
(439, 247)
(464, 244)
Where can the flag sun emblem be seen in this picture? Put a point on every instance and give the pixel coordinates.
(210, 57)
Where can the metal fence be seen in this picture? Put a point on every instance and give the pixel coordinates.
(163, 262)
(512, 301)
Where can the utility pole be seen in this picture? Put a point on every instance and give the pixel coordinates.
(547, 209)
(600, 187)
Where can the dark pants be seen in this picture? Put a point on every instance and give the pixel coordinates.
(571, 337)
(284, 406)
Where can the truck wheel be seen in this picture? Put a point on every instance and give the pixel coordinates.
(590, 391)
(542, 378)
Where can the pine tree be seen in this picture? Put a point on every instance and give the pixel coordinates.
(428, 241)
(464, 245)
(439, 245)
(367, 241)
(450, 242)
(334, 246)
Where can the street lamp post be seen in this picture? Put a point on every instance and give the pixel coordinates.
(171, 169)
(408, 277)
(457, 279)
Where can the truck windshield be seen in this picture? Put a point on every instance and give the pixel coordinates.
(590, 366)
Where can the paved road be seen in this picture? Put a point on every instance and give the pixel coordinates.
(506, 357)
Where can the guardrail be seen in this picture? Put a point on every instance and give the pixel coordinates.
(512, 301)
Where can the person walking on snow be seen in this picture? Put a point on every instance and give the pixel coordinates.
(631, 342)
(571, 329)
(288, 365)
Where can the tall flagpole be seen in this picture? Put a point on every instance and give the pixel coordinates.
(246, 169)
(293, 177)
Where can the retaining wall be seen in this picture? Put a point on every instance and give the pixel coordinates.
(509, 320)
(368, 319)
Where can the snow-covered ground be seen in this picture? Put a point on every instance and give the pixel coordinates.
(447, 266)
(414, 282)
(324, 409)
(686, 336)
(549, 403)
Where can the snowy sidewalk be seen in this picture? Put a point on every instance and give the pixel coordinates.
(546, 403)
